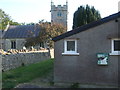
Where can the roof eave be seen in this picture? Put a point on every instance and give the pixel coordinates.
(87, 26)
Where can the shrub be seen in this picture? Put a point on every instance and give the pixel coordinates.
(75, 85)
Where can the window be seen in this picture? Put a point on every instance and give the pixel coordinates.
(115, 47)
(70, 47)
(13, 44)
(59, 14)
(42, 44)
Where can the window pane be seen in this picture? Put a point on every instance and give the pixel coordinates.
(59, 14)
(13, 45)
(42, 44)
(70, 45)
(116, 45)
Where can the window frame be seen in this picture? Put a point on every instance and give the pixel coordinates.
(42, 44)
(59, 14)
(13, 44)
(66, 52)
(112, 47)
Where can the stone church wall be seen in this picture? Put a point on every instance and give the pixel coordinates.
(19, 43)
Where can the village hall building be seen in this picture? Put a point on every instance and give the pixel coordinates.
(90, 53)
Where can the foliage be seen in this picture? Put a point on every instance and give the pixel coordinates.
(51, 83)
(85, 15)
(75, 85)
(30, 23)
(31, 41)
(47, 32)
(4, 19)
(27, 73)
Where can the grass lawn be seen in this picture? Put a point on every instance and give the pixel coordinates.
(24, 74)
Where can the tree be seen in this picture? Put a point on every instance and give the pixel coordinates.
(47, 32)
(5, 19)
(85, 15)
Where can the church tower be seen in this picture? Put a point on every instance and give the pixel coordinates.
(59, 14)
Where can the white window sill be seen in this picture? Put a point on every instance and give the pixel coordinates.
(71, 54)
(114, 53)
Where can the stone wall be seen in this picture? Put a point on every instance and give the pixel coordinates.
(15, 60)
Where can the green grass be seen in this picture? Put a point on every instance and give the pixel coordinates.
(24, 74)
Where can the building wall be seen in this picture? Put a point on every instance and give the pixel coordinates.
(19, 43)
(1, 43)
(84, 68)
(1, 39)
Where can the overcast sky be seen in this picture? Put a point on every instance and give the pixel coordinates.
(34, 10)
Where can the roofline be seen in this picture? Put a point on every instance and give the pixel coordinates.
(87, 26)
(15, 38)
(9, 35)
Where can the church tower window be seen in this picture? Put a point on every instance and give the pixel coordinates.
(59, 14)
